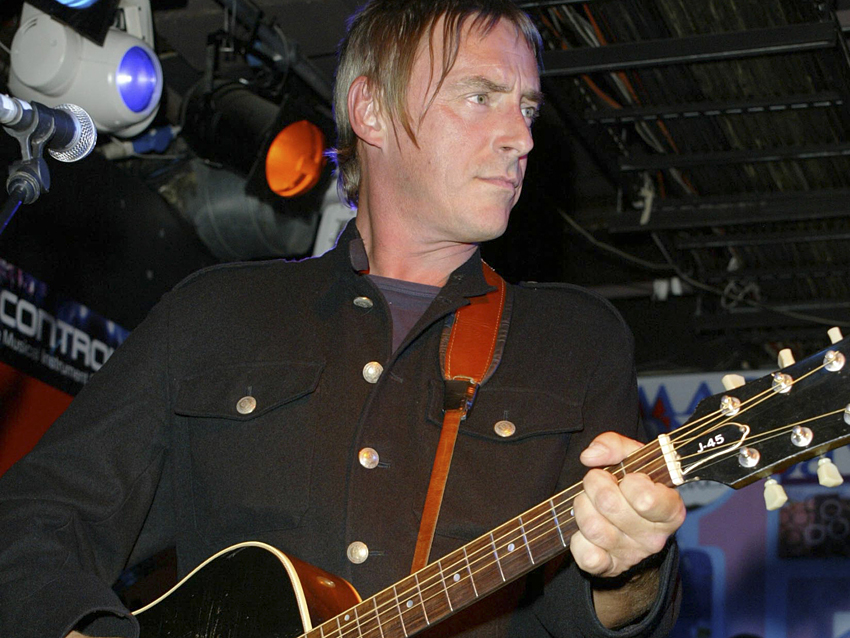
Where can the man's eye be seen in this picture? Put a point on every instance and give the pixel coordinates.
(530, 112)
(480, 98)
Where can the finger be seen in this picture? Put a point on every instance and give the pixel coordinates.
(608, 448)
(653, 502)
(591, 517)
(590, 557)
(608, 502)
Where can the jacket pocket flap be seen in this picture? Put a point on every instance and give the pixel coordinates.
(243, 392)
(512, 414)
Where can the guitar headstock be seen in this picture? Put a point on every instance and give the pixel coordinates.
(760, 428)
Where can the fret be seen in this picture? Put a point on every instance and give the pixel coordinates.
(377, 615)
(339, 627)
(350, 625)
(543, 532)
(435, 598)
(513, 558)
(445, 586)
(316, 632)
(388, 612)
(368, 623)
(400, 615)
(525, 539)
(496, 556)
(457, 579)
(551, 502)
(469, 570)
(421, 602)
(410, 602)
(484, 566)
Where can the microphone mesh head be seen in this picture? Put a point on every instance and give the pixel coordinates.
(85, 139)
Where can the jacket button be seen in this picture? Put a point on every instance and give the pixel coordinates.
(368, 458)
(504, 428)
(363, 302)
(246, 405)
(357, 552)
(372, 371)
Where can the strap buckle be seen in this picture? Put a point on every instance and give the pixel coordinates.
(459, 394)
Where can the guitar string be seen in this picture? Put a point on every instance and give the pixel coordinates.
(431, 582)
(771, 434)
(746, 405)
(768, 392)
(474, 566)
(763, 436)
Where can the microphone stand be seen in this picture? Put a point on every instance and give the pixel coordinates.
(29, 176)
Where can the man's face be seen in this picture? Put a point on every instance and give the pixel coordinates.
(462, 180)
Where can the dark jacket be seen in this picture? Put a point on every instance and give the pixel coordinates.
(154, 451)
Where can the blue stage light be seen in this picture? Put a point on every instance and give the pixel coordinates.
(78, 4)
(119, 83)
(137, 79)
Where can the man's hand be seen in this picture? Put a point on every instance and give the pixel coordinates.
(620, 524)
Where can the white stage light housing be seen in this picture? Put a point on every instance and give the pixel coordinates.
(118, 84)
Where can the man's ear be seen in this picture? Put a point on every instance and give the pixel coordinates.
(364, 112)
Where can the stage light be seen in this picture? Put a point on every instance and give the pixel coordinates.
(137, 79)
(279, 149)
(295, 159)
(119, 83)
(89, 18)
(77, 4)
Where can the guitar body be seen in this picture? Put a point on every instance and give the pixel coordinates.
(249, 589)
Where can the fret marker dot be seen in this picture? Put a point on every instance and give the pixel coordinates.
(456, 578)
(347, 616)
(409, 604)
(511, 547)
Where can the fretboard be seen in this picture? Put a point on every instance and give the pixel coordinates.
(478, 568)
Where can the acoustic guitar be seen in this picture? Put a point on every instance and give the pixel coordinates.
(737, 437)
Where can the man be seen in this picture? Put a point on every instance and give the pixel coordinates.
(300, 404)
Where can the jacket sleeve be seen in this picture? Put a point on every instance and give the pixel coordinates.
(71, 511)
(565, 607)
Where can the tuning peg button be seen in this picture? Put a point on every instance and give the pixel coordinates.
(828, 474)
(834, 335)
(785, 358)
(774, 495)
(732, 381)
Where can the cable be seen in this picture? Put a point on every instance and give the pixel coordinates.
(728, 298)
(609, 248)
(740, 298)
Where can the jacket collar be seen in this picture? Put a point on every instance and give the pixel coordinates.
(466, 281)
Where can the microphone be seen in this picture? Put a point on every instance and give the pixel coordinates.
(68, 130)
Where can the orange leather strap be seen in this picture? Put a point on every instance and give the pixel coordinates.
(473, 343)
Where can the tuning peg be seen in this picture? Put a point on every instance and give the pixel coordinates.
(732, 381)
(834, 335)
(774, 495)
(828, 474)
(785, 358)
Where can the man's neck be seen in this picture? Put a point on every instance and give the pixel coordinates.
(397, 253)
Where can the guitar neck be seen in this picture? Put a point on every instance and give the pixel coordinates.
(480, 567)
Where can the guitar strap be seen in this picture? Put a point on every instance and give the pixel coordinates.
(469, 356)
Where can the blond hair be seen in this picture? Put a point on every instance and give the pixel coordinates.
(381, 44)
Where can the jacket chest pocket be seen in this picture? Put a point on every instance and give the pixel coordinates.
(251, 446)
(508, 458)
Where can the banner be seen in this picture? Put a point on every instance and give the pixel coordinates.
(51, 337)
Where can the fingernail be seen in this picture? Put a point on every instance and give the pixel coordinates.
(595, 450)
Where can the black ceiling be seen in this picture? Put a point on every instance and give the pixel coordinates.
(691, 164)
